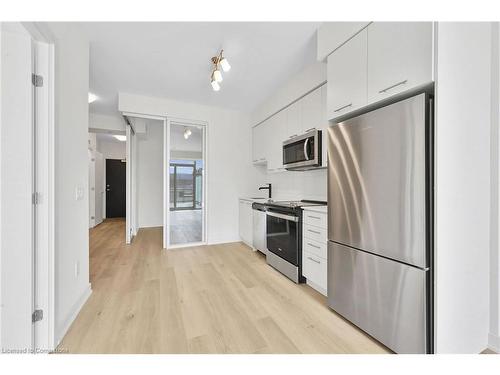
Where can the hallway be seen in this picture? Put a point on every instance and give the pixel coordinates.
(207, 299)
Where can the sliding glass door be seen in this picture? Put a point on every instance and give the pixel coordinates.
(182, 185)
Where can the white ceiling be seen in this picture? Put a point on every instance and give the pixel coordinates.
(172, 59)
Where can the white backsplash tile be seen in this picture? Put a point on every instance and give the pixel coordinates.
(289, 185)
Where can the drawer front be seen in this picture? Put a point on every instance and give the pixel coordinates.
(315, 218)
(319, 249)
(315, 233)
(314, 269)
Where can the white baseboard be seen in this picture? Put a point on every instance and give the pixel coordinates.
(494, 342)
(220, 242)
(73, 314)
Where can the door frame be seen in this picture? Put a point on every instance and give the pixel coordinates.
(42, 183)
(45, 330)
(167, 121)
(131, 213)
(204, 205)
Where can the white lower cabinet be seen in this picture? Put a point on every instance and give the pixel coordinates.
(246, 221)
(314, 270)
(314, 248)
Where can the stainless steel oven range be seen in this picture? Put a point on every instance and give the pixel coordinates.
(284, 237)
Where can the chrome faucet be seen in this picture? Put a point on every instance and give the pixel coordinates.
(268, 187)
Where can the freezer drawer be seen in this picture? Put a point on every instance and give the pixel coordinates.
(384, 298)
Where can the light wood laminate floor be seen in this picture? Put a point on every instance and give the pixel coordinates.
(207, 299)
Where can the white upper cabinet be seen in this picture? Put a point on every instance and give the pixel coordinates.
(324, 127)
(399, 57)
(277, 134)
(311, 111)
(347, 79)
(305, 114)
(260, 143)
(293, 127)
(331, 35)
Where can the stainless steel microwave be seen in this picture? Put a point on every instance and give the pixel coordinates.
(303, 152)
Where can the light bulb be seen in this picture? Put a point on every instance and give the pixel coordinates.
(92, 97)
(186, 136)
(121, 138)
(217, 75)
(225, 65)
(215, 85)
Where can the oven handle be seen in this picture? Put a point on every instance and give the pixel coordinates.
(282, 216)
(306, 154)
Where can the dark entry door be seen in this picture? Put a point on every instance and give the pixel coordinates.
(115, 188)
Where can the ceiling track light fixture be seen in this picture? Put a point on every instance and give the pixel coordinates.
(219, 62)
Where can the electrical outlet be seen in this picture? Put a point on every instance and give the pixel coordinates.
(77, 268)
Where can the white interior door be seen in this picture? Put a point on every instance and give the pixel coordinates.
(16, 172)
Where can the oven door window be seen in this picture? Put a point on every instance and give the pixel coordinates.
(299, 151)
(282, 238)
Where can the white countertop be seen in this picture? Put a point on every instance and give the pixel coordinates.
(252, 199)
(320, 209)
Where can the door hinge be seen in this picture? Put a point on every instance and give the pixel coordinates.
(35, 198)
(37, 316)
(37, 80)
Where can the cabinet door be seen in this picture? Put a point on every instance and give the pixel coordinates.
(259, 146)
(277, 134)
(293, 121)
(246, 222)
(399, 57)
(347, 76)
(310, 111)
(324, 127)
(255, 145)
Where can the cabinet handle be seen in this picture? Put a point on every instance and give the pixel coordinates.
(343, 107)
(391, 87)
(313, 217)
(313, 231)
(316, 246)
(314, 260)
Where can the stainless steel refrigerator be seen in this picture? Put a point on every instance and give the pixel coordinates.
(380, 223)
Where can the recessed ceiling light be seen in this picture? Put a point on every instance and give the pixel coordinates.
(121, 138)
(92, 97)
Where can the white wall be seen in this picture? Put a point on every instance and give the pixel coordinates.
(462, 187)
(306, 80)
(71, 173)
(228, 159)
(494, 337)
(149, 179)
(104, 123)
(15, 187)
(111, 149)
